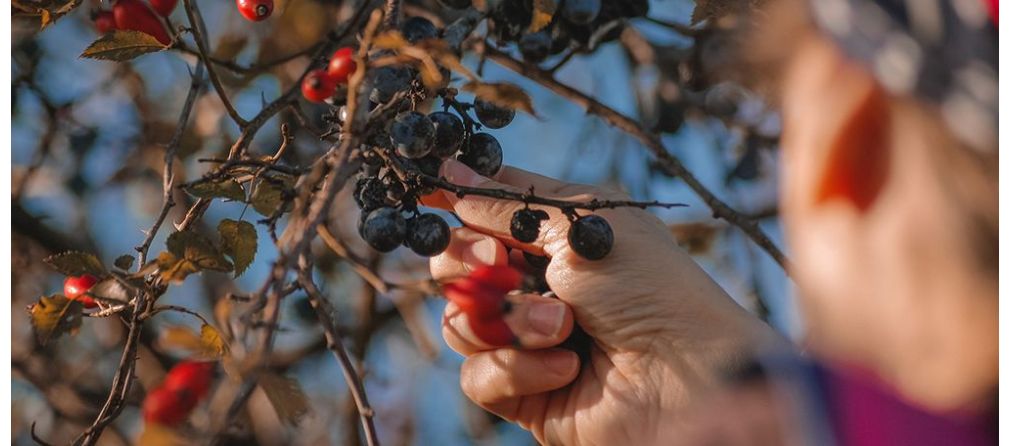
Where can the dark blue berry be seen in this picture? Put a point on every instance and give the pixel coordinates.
(448, 134)
(591, 237)
(384, 229)
(427, 235)
(581, 12)
(491, 115)
(388, 81)
(416, 29)
(483, 154)
(535, 47)
(411, 134)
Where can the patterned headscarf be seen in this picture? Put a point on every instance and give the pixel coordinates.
(941, 51)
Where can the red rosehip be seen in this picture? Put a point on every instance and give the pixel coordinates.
(255, 10)
(493, 331)
(500, 277)
(342, 65)
(481, 296)
(136, 16)
(75, 287)
(164, 7)
(318, 86)
(105, 21)
(190, 376)
(167, 407)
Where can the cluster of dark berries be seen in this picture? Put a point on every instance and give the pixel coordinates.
(420, 143)
(579, 25)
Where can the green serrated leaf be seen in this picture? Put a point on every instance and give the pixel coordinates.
(75, 263)
(238, 241)
(217, 189)
(55, 316)
(189, 252)
(124, 262)
(286, 396)
(122, 45)
(268, 196)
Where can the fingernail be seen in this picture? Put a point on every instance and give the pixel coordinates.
(458, 173)
(546, 318)
(480, 253)
(560, 362)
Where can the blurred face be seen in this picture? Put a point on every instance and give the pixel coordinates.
(876, 250)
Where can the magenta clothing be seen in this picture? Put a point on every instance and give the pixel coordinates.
(863, 413)
(837, 406)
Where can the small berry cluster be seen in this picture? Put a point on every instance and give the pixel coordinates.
(578, 25)
(135, 15)
(320, 85)
(421, 143)
(184, 386)
(76, 288)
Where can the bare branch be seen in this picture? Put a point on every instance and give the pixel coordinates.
(168, 174)
(334, 342)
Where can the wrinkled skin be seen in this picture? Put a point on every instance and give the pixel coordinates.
(638, 304)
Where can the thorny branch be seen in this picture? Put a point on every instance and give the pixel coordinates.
(335, 343)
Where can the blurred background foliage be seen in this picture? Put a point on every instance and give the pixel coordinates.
(87, 154)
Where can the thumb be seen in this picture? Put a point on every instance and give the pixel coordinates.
(493, 216)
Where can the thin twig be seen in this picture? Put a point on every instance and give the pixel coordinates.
(200, 35)
(335, 343)
(168, 174)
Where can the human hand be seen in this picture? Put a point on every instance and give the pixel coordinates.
(662, 330)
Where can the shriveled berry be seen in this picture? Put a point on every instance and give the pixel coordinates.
(370, 193)
(388, 81)
(342, 65)
(163, 7)
(455, 4)
(581, 12)
(75, 287)
(591, 237)
(191, 376)
(411, 134)
(105, 21)
(384, 229)
(483, 154)
(255, 10)
(427, 235)
(448, 134)
(525, 225)
(491, 115)
(416, 29)
(535, 47)
(394, 188)
(136, 16)
(318, 86)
